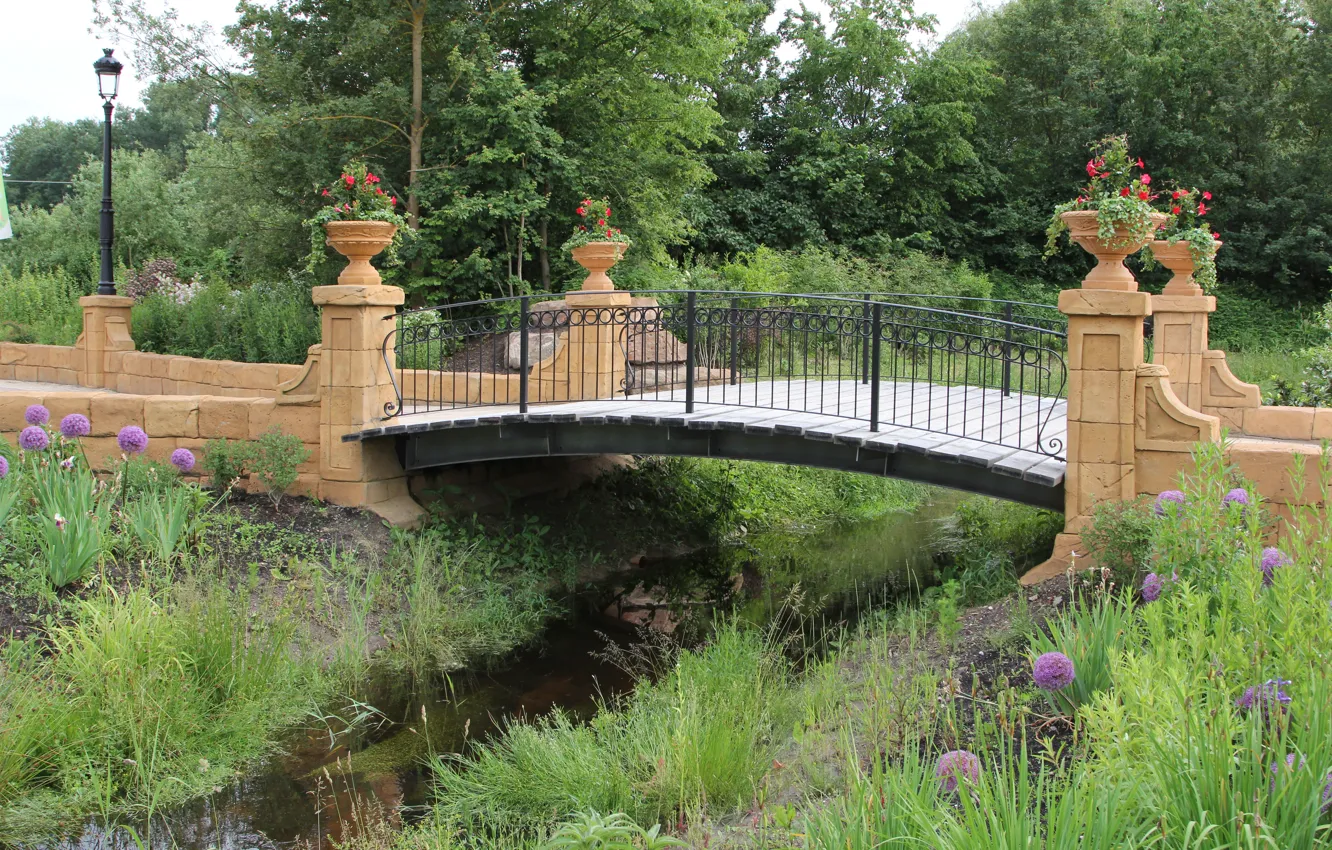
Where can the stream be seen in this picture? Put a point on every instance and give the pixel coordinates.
(321, 782)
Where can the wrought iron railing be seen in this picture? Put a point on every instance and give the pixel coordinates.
(993, 371)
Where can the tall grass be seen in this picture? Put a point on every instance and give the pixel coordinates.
(704, 734)
(39, 307)
(152, 703)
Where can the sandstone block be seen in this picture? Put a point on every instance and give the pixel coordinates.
(171, 417)
(224, 417)
(111, 412)
(1286, 423)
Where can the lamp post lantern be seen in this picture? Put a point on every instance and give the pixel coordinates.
(108, 82)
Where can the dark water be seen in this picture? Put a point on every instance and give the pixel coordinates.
(316, 790)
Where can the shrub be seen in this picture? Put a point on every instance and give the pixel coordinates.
(274, 459)
(39, 307)
(225, 462)
(1119, 536)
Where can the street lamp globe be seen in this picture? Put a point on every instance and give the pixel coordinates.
(108, 74)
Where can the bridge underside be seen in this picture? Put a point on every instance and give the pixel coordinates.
(444, 438)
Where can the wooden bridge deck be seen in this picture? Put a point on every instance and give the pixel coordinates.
(973, 427)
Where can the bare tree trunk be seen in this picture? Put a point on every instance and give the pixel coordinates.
(544, 254)
(522, 231)
(418, 9)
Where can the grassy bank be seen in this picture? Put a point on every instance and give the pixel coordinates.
(1193, 714)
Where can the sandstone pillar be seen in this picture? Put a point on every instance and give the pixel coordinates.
(1105, 349)
(106, 329)
(355, 387)
(1181, 341)
(597, 345)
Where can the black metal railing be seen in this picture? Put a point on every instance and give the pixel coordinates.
(993, 371)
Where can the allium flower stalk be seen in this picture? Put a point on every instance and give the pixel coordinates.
(1053, 671)
(33, 439)
(1272, 560)
(36, 414)
(956, 765)
(1167, 498)
(1267, 699)
(132, 439)
(1237, 496)
(183, 460)
(75, 425)
(1151, 587)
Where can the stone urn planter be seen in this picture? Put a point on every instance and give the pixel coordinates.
(1177, 257)
(597, 258)
(1110, 271)
(358, 241)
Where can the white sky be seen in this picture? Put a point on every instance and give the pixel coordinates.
(47, 72)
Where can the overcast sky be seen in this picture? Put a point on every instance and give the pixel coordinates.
(47, 72)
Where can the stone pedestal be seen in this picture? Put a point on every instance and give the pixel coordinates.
(1105, 349)
(355, 388)
(597, 343)
(106, 328)
(1181, 341)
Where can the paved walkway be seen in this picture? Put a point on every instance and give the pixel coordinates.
(43, 387)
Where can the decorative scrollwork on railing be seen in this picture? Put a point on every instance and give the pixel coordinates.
(980, 369)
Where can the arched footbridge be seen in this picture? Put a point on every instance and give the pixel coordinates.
(959, 392)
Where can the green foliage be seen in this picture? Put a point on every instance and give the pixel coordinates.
(703, 733)
(594, 226)
(263, 323)
(987, 543)
(225, 461)
(592, 831)
(167, 523)
(274, 459)
(1119, 537)
(1092, 636)
(39, 307)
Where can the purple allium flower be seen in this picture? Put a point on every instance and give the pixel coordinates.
(1237, 496)
(36, 414)
(132, 439)
(1265, 696)
(1168, 497)
(1272, 560)
(1151, 587)
(1053, 671)
(955, 765)
(4, 466)
(33, 439)
(182, 459)
(75, 425)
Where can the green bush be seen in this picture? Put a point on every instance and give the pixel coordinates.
(1119, 537)
(225, 461)
(264, 323)
(987, 543)
(40, 307)
(274, 459)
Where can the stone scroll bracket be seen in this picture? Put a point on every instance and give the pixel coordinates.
(106, 329)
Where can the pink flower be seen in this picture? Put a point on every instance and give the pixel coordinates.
(1207, 196)
(1146, 179)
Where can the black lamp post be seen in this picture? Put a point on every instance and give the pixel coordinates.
(108, 81)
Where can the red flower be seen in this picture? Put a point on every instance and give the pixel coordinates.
(1216, 235)
(1202, 208)
(1207, 196)
(582, 227)
(1176, 194)
(1143, 195)
(1124, 193)
(1103, 174)
(325, 193)
(1140, 163)
(349, 180)
(607, 212)
(1091, 168)
(608, 233)
(1174, 210)
(370, 178)
(393, 200)
(601, 222)
(1082, 199)
(1145, 179)
(581, 211)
